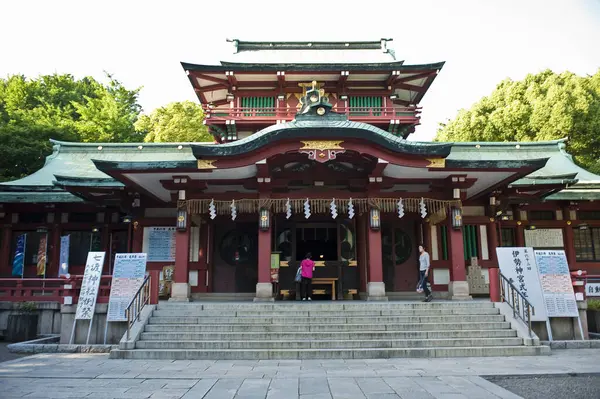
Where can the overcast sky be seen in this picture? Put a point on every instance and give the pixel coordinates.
(142, 43)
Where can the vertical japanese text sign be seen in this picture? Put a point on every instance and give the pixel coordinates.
(89, 286)
(519, 267)
(128, 276)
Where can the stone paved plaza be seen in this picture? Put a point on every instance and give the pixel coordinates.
(95, 376)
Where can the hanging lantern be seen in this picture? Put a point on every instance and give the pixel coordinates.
(181, 220)
(456, 218)
(264, 220)
(375, 219)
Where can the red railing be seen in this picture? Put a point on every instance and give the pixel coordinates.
(48, 289)
(290, 113)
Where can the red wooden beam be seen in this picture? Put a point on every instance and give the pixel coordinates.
(231, 78)
(209, 78)
(218, 86)
(415, 77)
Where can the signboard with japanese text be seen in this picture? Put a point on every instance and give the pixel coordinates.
(128, 276)
(159, 244)
(592, 289)
(89, 286)
(518, 266)
(544, 238)
(557, 287)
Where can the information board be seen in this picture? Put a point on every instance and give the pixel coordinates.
(557, 288)
(159, 244)
(544, 238)
(518, 266)
(128, 276)
(89, 286)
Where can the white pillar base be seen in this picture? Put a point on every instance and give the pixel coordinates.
(459, 291)
(180, 292)
(264, 292)
(376, 292)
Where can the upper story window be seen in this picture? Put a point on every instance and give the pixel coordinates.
(588, 215)
(542, 215)
(259, 106)
(363, 105)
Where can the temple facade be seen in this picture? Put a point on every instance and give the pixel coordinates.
(311, 153)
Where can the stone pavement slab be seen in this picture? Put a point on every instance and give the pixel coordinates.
(95, 376)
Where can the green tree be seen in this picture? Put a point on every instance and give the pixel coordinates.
(175, 122)
(544, 106)
(60, 107)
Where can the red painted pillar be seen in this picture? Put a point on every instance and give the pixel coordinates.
(180, 289)
(137, 238)
(457, 255)
(520, 236)
(375, 257)
(182, 251)
(492, 233)
(264, 256)
(570, 247)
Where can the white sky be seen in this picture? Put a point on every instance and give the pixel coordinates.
(142, 43)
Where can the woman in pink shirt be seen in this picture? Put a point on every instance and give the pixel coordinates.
(308, 266)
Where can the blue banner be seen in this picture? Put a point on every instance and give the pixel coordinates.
(64, 255)
(19, 260)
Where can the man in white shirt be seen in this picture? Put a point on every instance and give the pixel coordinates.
(424, 266)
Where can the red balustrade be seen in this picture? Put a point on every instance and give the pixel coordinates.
(48, 289)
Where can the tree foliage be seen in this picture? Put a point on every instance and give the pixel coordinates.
(175, 122)
(61, 107)
(545, 106)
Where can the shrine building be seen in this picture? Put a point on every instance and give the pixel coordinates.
(311, 153)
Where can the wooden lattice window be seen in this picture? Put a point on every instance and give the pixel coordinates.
(259, 106)
(587, 244)
(363, 104)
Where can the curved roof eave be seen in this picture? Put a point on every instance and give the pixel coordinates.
(311, 128)
(378, 66)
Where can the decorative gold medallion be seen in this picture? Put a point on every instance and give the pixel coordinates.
(436, 162)
(322, 151)
(321, 111)
(206, 164)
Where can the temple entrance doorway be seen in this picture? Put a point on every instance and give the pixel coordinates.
(235, 257)
(318, 239)
(400, 255)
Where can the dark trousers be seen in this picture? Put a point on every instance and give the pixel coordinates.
(424, 284)
(306, 287)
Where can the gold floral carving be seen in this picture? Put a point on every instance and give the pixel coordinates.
(206, 164)
(436, 162)
(322, 145)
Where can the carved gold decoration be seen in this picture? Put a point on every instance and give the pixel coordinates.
(353, 263)
(320, 263)
(321, 111)
(284, 263)
(436, 162)
(206, 164)
(312, 85)
(322, 145)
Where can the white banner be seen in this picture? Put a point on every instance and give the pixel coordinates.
(519, 267)
(128, 276)
(557, 287)
(89, 286)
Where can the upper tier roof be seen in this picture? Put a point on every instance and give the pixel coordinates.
(311, 52)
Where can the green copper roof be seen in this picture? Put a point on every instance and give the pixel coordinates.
(291, 67)
(38, 197)
(313, 126)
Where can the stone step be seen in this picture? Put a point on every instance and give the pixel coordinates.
(363, 353)
(367, 335)
(318, 305)
(311, 320)
(326, 327)
(330, 344)
(322, 313)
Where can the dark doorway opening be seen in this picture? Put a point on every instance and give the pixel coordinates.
(321, 241)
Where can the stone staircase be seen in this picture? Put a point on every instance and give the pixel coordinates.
(326, 330)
